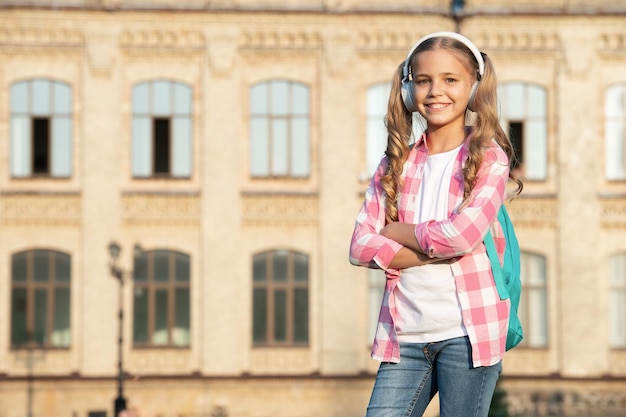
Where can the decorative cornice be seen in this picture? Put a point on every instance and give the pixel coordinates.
(40, 36)
(280, 210)
(533, 212)
(161, 39)
(613, 213)
(37, 210)
(161, 210)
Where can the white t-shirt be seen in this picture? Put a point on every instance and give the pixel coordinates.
(427, 306)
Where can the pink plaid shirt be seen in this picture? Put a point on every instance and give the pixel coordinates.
(485, 316)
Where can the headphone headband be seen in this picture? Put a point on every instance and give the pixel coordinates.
(457, 36)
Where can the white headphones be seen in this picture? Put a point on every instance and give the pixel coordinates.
(408, 87)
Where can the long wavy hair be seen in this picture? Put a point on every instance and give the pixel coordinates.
(484, 129)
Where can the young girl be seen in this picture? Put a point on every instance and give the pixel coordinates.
(442, 326)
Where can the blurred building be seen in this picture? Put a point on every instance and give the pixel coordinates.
(231, 143)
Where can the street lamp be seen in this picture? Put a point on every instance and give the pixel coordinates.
(117, 272)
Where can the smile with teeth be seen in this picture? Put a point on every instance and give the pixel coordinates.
(437, 106)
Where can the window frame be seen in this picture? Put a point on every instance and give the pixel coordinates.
(50, 286)
(266, 122)
(290, 286)
(617, 299)
(534, 147)
(144, 267)
(146, 111)
(534, 301)
(41, 99)
(613, 119)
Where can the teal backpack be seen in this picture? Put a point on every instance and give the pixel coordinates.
(507, 276)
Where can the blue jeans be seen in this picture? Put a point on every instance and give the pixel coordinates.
(404, 389)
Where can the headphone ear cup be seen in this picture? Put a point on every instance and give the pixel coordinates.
(408, 94)
(472, 97)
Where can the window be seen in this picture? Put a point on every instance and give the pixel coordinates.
(376, 288)
(279, 130)
(533, 308)
(162, 130)
(41, 129)
(40, 299)
(161, 299)
(615, 132)
(280, 297)
(617, 300)
(524, 118)
(376, 132)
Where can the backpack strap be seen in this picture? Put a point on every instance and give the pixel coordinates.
(496, 268)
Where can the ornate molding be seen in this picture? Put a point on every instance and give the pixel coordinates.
(58, 210)
(161, 39)
(514, 41)
(534, 212)
(298, 39)
(280, 361)
(161, 210)
(613, 213)
(566, 403)
(280, 210)
(27, 37)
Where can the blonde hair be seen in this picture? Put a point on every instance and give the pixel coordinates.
(486, 126)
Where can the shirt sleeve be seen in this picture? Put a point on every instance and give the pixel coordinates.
(367, 247)
(465, 229)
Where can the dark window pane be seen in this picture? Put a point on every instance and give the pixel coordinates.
(301, 315)
(162, 146)
(259, 267)
(18, 267)
(41, 308)
(140, 315)
(41, 261)
(140, 268)
(280, 316)
(301, 267)
(61, 330)
(160, 334)
(180, 335)
(516, 134)
(41, 145)
(62, 267)
(161, 265)
(182, 267)
(259, 315)
(19, 331)
(280, 266)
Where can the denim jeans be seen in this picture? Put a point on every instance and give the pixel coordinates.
(404, 389)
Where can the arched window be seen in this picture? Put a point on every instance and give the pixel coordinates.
(533, 309)
(40, 299)
(41, 129)
(617, 300)
(280, 144)
(524, 118)
(162, 130)
(615, 132)
(280, 297)
(161, 307)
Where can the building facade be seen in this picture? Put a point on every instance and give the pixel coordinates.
(226, 146)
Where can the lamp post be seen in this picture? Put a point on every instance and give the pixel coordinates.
(117, 272)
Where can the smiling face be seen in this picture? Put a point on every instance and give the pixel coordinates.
(443, 84)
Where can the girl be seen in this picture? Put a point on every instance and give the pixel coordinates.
(442, 326)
